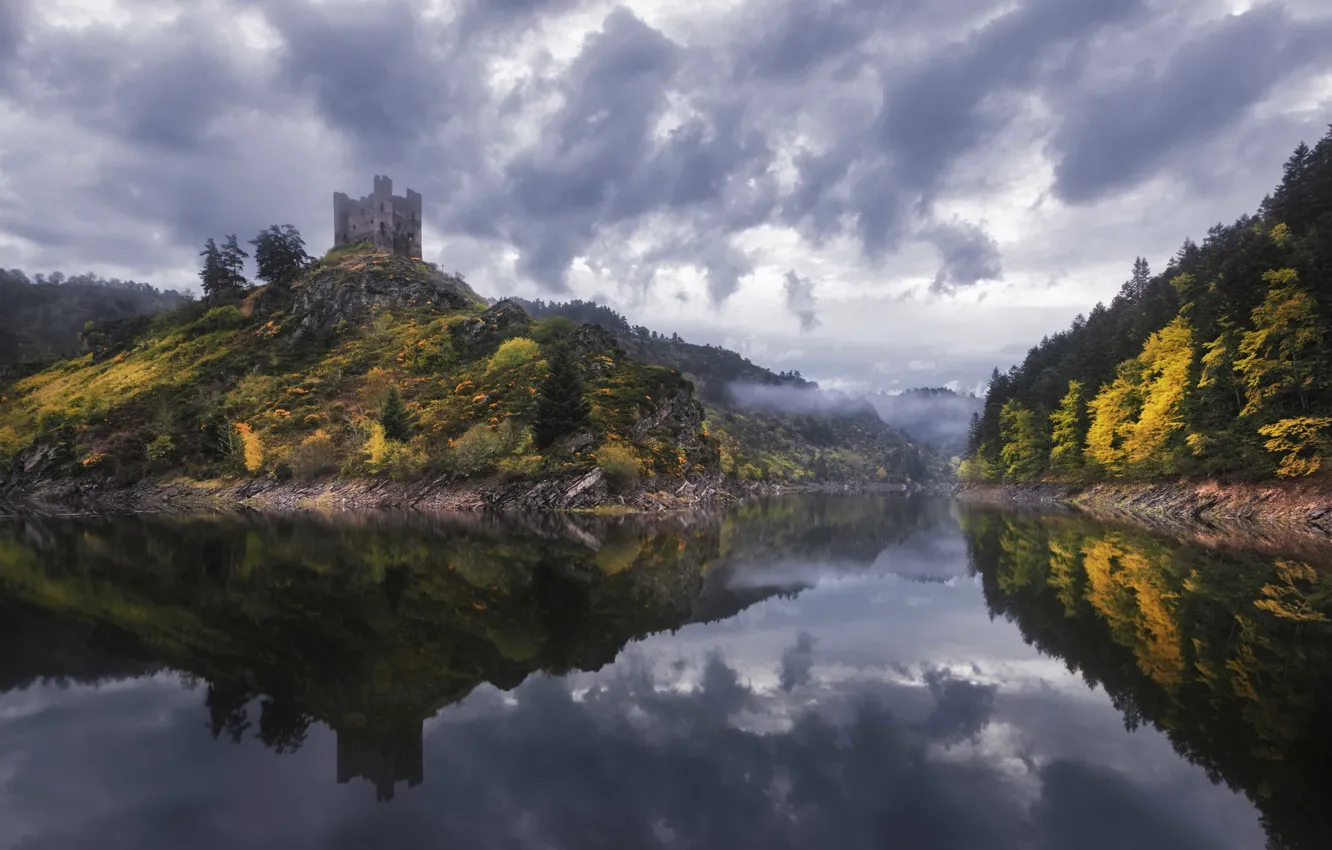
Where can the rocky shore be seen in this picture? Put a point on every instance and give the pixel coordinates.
(1303, 507)
(585, 492)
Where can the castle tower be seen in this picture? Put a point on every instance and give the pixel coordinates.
(391, 222)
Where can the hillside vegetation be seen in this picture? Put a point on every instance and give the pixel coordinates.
(366, 364)
(1219, 365)
(773, 426)
(43, 318)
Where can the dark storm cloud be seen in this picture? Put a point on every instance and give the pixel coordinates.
(800, 300)
(968, 254)
(1111, 139)
(182, 131)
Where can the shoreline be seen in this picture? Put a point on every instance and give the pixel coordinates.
(1207, 507)
(584, 493)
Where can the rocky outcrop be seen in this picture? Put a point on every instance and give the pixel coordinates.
(347, 291)
(482, 334)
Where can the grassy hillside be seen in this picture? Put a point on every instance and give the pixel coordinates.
(774, 426)
(302, 382)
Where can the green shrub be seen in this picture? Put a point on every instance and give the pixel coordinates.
(162, 448)
(481, 449)
(315, 456)
(520, 467)
(221, 319)
(513, 353)
(619, 464)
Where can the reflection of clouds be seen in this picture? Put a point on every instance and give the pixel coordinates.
(845, 717)
(626, 757)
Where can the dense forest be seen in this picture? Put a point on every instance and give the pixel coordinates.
(1216, 366)
(44, 316)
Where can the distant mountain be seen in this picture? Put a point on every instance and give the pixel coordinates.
(772, 425)
(936, 416)
(44, 316)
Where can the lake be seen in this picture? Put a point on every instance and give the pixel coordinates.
(820, 672)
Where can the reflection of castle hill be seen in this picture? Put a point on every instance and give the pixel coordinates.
(1228, 654)
(372, 624)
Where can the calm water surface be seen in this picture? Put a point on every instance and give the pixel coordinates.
(822, 673)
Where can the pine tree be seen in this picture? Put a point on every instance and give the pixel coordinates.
(561, 409)
(393, 416)
(279, 254)
(223, 272)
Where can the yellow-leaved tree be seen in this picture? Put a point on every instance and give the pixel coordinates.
(1154, 444)
(1023, 450)
(1302, 442)
(1114, 411)
(1067, 431)
(1279, 358)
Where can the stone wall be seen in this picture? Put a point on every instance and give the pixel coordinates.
(392, 222)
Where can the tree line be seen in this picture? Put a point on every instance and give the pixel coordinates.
(279, 257)
(1217, 366)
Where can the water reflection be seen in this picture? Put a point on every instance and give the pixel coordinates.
(1229, 653)
(800, 673)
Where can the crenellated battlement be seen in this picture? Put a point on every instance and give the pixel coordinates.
(392, 222)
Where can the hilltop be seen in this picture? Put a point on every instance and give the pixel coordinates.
(371, 367)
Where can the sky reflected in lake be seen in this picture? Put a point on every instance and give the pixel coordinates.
(814, 673)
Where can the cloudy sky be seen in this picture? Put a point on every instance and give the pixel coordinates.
(879, 193)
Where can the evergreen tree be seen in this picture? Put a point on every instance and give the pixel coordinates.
(561, 409)
(279, 254)
(393, 416)
(223, 272)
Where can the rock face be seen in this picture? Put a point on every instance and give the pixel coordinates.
(481, 335)
(346, 291)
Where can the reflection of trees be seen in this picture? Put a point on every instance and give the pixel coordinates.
(1229, 654)
(373, 625)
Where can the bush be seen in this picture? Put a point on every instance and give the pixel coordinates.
(520, 467)
(162, 448)
(619, 464)
(315, 456)
(221, 319)
(476, 451)
(513, 353)
(482, 448)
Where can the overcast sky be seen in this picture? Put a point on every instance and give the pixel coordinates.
(879, 193)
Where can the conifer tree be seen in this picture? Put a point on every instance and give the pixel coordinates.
(279, 254)
(393, 416)
(1023, 451)
(223, 272)
(561, 409)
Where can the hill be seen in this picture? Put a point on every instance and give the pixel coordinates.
(371, 366)
(44, 317)
(368, 365)
(1220, 365)
(772, 425)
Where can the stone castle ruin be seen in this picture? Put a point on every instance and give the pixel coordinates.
(390, 221)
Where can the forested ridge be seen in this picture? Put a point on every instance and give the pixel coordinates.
(43, 317)
(1220, 365)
